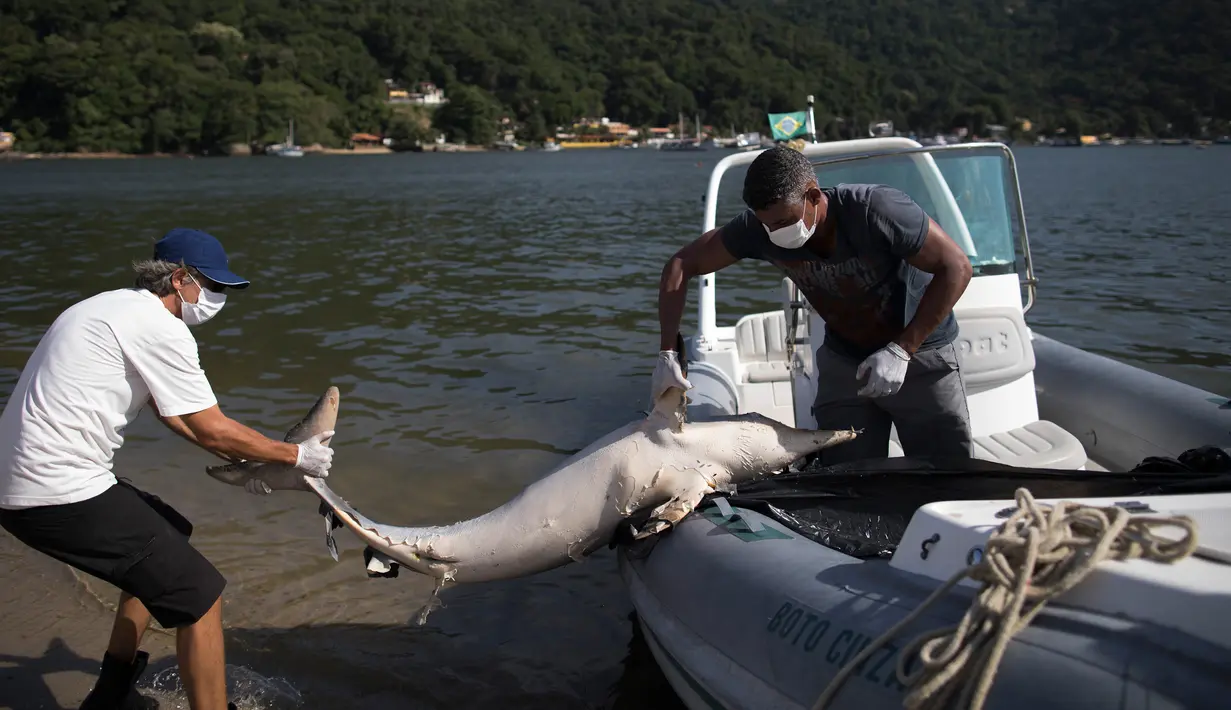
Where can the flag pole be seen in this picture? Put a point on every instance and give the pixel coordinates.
(811, 121)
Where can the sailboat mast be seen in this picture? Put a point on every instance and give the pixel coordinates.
(811, 121)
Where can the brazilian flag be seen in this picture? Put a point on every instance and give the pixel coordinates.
(786, 126)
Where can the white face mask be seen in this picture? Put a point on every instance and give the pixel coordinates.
(207, 306)
(792, 236)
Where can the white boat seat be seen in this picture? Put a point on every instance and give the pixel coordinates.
(760, 343)
(995, 351)
(767, 371)
(993, 346)
(761, 337)
(1039, 444)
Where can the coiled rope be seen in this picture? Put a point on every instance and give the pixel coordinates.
(1040, 552)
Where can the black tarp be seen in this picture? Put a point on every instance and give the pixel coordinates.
(862, 508)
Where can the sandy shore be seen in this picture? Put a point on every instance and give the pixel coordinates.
(56, 627)
(56, 624)
(367, 150)
(111, 155)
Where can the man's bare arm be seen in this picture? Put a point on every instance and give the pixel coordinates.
(176, 424)
(219, 434)
(704, 255)
(942, 257)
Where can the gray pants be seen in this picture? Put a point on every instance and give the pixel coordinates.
(929, 410)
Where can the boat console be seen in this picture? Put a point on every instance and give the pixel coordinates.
(1189, 596)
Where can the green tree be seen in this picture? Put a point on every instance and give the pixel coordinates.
(1073, 124)
(470, 116)
(534, 129)
(135, 75)
(409, 128)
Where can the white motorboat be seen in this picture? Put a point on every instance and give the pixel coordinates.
(758, 598)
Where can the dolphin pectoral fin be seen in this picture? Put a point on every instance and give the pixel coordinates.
(669, 514)
(653, 528)
(379, 564)
(580, 550)
(433, 602)
(331, 523)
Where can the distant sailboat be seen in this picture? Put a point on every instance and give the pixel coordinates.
(287, 149)
(682, 143)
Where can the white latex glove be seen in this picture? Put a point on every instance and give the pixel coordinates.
(314, 457)
(667, 374)
(257, 487)
(886, 371)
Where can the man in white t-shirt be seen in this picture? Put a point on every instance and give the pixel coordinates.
(97, 366)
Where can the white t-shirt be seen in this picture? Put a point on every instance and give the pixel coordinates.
(89, 377)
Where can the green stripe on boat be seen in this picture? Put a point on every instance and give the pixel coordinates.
(739, 528)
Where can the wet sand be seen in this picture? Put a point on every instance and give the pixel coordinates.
(56, 623)
(55, 628)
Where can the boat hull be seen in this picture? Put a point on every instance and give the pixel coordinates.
(743, 620)
(1122, 414)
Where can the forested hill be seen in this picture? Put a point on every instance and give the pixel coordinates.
(140, 75)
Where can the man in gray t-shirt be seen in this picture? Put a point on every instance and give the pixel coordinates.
(883, 276)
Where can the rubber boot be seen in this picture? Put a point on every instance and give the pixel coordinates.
(115, 689)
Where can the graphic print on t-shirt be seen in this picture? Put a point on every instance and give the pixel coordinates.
(855, 296)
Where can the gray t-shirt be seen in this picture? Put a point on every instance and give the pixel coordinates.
(865, 290)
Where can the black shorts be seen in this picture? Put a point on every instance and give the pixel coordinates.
(130, 539)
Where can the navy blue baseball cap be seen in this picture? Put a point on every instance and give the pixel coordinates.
(201, 251)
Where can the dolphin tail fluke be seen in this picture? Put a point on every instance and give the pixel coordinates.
(323, 416)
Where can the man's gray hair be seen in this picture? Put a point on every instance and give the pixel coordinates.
(780, 174)
(154, 275)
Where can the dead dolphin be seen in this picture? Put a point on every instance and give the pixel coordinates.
(280, 477)
(658, 463)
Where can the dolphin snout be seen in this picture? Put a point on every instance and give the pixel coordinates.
(827, 438)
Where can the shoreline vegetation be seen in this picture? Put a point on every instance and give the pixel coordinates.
(18, 156)
(154, 77)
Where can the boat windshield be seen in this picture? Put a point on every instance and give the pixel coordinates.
(970, 193)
